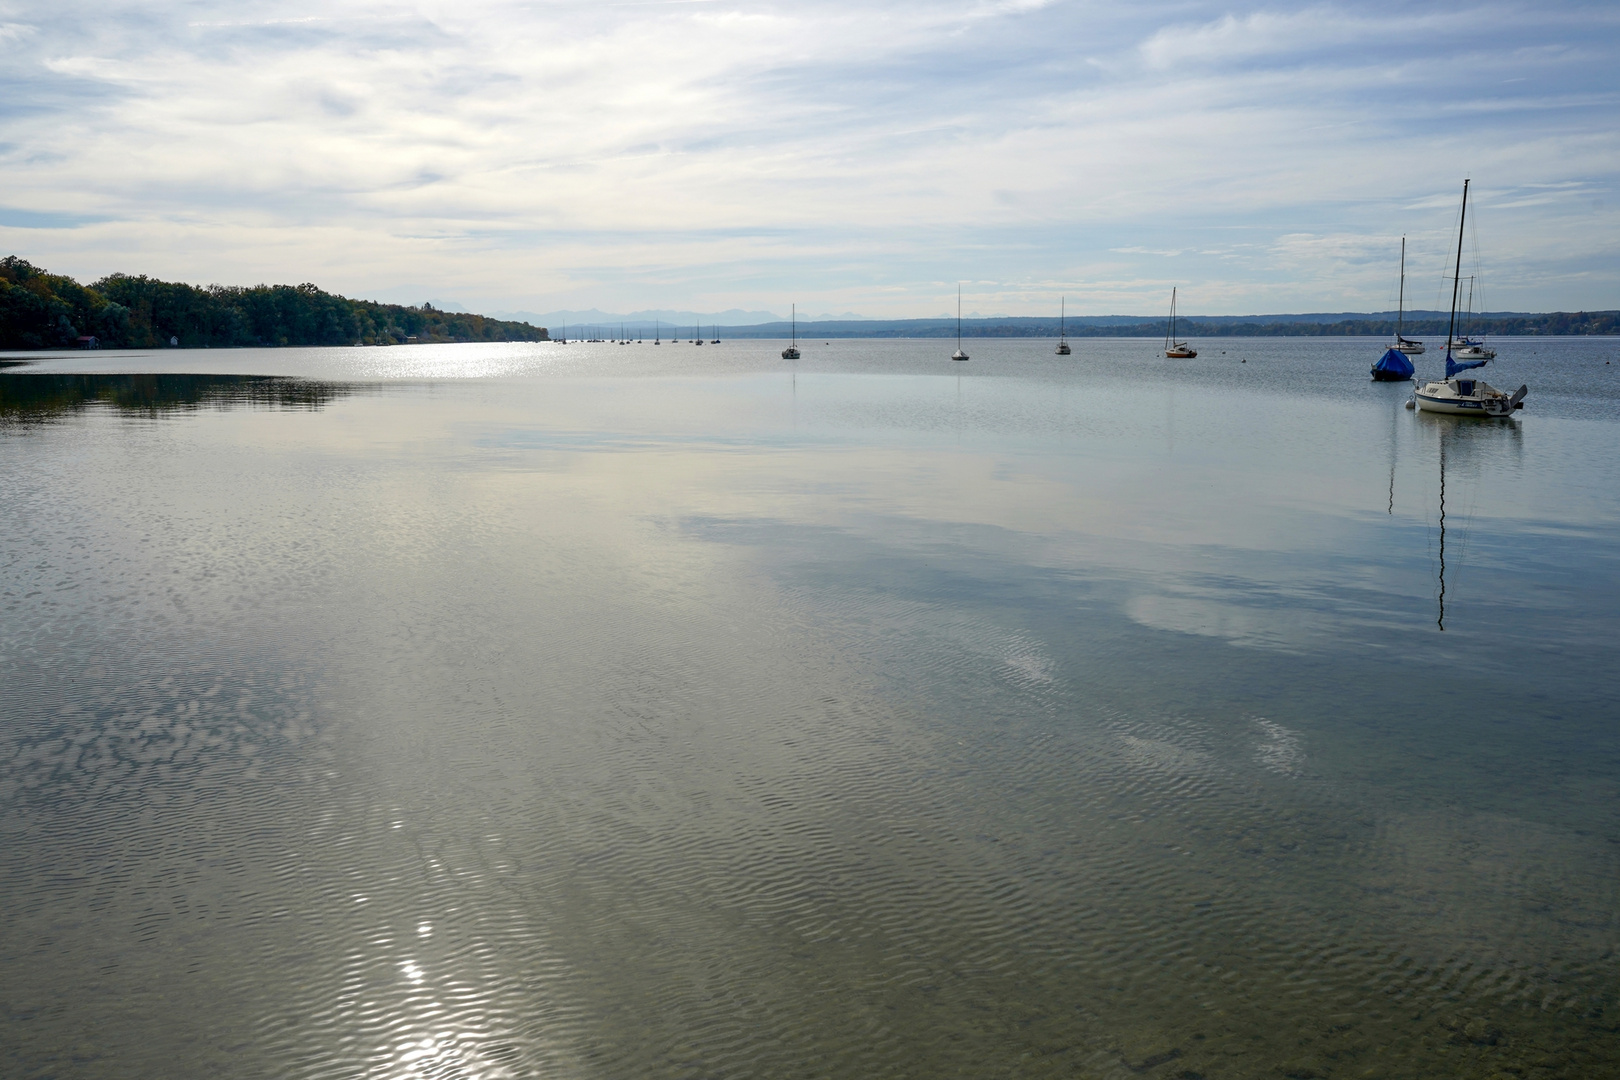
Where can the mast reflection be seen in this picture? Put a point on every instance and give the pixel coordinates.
(1461, 440)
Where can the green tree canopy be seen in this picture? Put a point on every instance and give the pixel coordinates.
(40, 310)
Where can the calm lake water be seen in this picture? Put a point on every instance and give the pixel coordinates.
(635, 711)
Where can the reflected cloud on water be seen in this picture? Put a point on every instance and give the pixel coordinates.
(800, 725)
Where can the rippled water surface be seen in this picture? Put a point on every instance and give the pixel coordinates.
(635, 711)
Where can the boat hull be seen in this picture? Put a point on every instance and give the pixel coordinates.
(1459, 407)
(1447, 398)
(1180, 354)
(1389, 376)
(1063, 350)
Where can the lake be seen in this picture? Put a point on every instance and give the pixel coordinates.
(653, 711)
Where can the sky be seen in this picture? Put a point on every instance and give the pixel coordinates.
(848, 157)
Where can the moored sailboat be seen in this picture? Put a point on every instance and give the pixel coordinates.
(959, 354)
(1063, 328)
(1394, 366)
(1406, 345)
(1471, 348)
(1464, 396)
(1173, 349)
(792, 351)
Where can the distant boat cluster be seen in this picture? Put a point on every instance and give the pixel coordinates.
(1453, 394)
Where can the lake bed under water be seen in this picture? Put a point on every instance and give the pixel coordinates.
(635, 711)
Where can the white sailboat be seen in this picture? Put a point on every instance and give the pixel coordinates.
(1471, 348)
(792, 351)
(1456, 395)
(1063, 328)
(1173, 349)
(959, 354)
(1410, 348)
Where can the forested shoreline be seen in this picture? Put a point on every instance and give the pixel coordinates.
(41, 310)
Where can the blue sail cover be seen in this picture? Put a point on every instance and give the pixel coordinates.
(1394, 363)
(1452, 367)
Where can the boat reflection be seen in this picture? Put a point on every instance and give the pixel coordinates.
(1461, 445)
(40, 397)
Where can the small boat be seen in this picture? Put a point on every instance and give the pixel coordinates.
(1468, 397)
(1473, 349)
(1173, 349)
(1461, 396)
(959, 354)
(1063, 328)
(716, 331)
(658, 330)
(1404, 344)
(1464, 347)
(697, 335)
(792, 351)
(1393, 366)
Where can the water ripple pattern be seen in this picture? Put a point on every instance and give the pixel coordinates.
(551, 720)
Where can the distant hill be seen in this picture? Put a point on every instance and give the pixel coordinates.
(41, 310)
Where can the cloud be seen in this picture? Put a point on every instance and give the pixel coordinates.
(710, 155)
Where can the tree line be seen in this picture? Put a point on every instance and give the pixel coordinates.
(41, 310)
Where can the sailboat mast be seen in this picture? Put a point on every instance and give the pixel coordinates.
(958, 316)
(1400, 309)
(1456, 274)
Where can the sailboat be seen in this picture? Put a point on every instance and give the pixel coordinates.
(658, 331)
(1459, 396)
(792, 351)
(1393, 366)
(697, 334)
(1176, 350)
(1410, 348)
(1063, 328)
(1469, 348)
(714, 329)
(959, 354)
